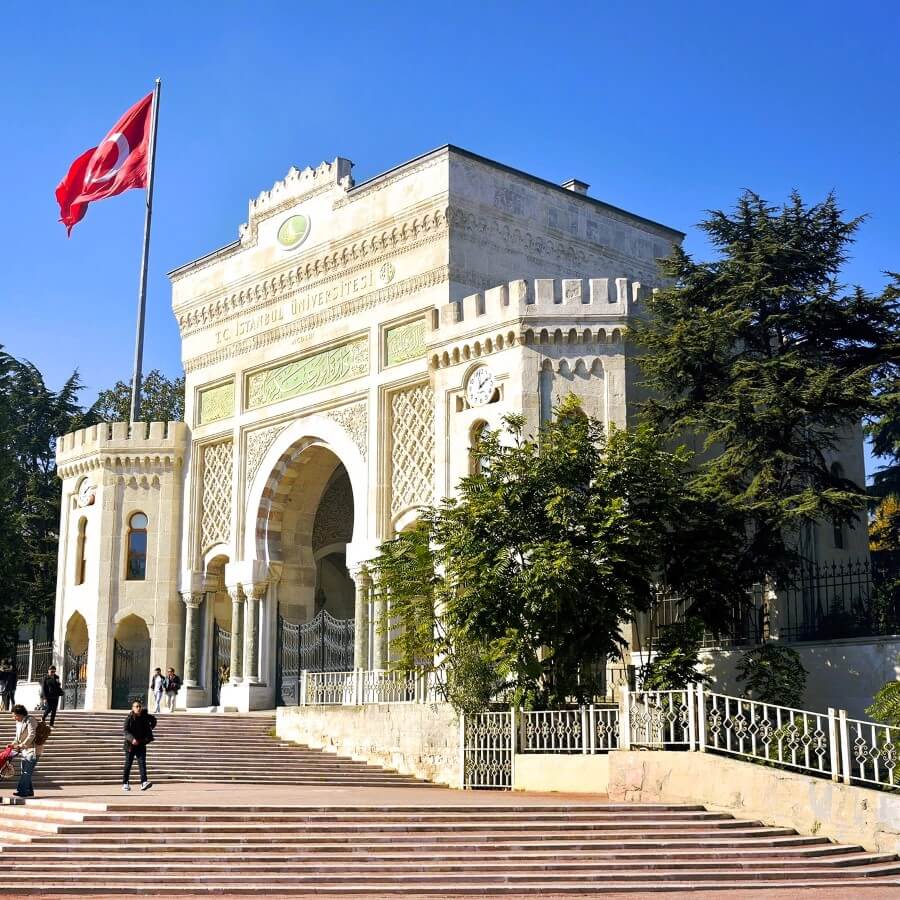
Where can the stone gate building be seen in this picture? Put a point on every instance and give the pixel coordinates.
(340, 356)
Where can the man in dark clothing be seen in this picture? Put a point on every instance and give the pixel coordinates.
(51, 691)
(9, 680)
(171, 685)
(138, 733)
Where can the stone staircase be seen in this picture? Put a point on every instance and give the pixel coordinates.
(517, 846)
(86, 748)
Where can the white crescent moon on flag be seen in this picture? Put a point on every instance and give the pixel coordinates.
(122, 151)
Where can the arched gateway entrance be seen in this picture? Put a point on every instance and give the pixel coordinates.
(313, 516)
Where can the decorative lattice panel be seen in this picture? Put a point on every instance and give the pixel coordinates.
(215, 518)
(412, 447)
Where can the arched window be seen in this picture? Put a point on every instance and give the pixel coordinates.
(476, 432)
(80, 550)
(837, 470)
(136, 565)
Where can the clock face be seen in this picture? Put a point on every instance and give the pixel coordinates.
(480, 386)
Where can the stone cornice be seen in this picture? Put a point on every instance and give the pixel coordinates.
(308, 324)
(342, 261)
(119, 463)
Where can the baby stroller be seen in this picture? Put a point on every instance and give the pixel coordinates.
(7, 769)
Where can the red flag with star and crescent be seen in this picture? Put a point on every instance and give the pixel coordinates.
(117, 163)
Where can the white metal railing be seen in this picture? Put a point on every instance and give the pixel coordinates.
(360, 687)
(659, 718)
(589, 729)
(870, 752)
(826, 744)
(488, 752)
(795, 738)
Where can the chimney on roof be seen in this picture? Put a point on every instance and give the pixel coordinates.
(576, 186)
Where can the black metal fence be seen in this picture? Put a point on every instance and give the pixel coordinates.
(856, 598)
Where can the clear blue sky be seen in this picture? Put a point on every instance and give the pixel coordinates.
(666, 109)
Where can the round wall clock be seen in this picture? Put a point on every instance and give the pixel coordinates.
(480, 387)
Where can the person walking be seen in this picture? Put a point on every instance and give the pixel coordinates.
(157, 687)
(172, 686)
(8, 681)
(4, 674)
(26, 745)
(51, 691)
(138, 731)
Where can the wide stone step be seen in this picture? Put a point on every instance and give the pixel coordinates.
(884, 863)
(595, 877)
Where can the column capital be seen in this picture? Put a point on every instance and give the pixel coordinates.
(361, 574)
(257, 590)
(236, 592)
(192, 598)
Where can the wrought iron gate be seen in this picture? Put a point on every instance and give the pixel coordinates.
(488, 750)
(74, 679)
(131, 673)
(221, 661)
(323, 644)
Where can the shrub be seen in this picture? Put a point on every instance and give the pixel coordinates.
(677, 658)
(886, 704)
(773, 674)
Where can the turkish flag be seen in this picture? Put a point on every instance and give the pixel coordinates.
(117, 163)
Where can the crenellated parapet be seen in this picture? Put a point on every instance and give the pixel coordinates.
(297, 185)
(540, 310)
(122, 446)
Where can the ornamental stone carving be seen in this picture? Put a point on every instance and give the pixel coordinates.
(334, 517)
(404, 342)
(215, 519)
(412, 447)
(354, 419)
(258, 444)
(216, 403)
(350, 360)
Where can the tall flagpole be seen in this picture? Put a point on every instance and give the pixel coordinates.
(142, 293)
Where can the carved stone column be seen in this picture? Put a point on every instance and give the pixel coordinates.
(379, 631)
(251, 631)
(192, 625)
(361, 623)
(236, 592)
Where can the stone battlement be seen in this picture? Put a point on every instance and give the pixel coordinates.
(164, 440)
(537, 298)
(294, 187)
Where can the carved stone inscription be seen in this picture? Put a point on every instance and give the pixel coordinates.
(350, 360)
(216, 403)
(405, 342)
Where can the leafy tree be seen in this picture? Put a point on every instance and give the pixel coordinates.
(886, 704)
(530, 571)
(773, 673)
(762, 354)
(31, 418)
(884, 528)
(676, 661)
(162, 400)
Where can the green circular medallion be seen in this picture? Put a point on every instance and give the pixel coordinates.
(293, 231)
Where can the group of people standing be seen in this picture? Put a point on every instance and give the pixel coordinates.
(31, 735)
(167, 686)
